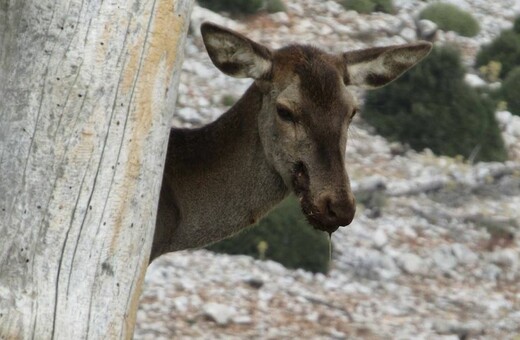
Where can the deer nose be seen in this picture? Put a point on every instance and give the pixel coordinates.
(336, 211)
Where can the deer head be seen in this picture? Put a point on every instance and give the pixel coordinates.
(307, 109)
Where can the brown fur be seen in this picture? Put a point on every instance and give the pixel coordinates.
(222, 177)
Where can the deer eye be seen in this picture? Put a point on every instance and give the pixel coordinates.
(285, 114)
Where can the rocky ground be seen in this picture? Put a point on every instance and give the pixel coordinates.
(434, 251)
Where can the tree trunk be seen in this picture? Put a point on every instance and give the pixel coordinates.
(87, 93)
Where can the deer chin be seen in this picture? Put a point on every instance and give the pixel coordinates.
(313, 218)
(300, 182)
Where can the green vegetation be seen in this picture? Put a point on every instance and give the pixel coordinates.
(360, 6)
(505, 49)
(233, 6)
(451, 18)
(501, 59)
(385, 6)
(283, 236)
(369, 6)
(228, 100)
(491, 71)
(432, 107)
(511, 91)
(244, 7)
(273, 6)
(516, 25)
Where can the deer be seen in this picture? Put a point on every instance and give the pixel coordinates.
(286, 134)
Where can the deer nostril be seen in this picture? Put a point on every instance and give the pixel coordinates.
(300, 169)
(329, 210)
(336, 212)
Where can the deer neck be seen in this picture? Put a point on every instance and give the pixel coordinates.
(220, 177)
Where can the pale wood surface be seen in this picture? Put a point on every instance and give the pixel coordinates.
(87, 93)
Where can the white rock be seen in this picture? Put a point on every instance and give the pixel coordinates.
(281, 18)
(312, 317)
(427, 28)
(505, 257)
(195, 301)
(221, 314)
(510, 141)
(243, 320)
(274, 267)
(348, 16)
(395, 40)
(204, 71)
(201, 14)
(491, 272)
(474, 81)
(364, 27)
(510, 322)
(191, 49)
(335, 334)
(380, 239)
(189, 114)
(408, 34)
(202, 101)
(463, 254)
(411, 263)
(181, 303)
(404, 4)
(407, 19)
(369, 263)
(496, 304)
(444, 259)
(516, 9)
(264, 295)
(295, 8)
(503, 117)
(325, 30)
(334, 7)
(513, 127)
(473, 327)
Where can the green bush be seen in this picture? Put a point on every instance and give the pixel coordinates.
(432, 107)
(451, 18)
(228, 100)
(516, 25)
(504, 49)
(511, 91)
(385, 6)
(491, 71)
(286, 238)
(369, 6)
(233, 6)
(360, 6)
(273, 6)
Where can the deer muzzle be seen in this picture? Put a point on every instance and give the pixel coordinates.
(328, 210)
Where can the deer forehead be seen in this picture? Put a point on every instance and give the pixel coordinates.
(289, 95)
(308, 74)
(296, 94)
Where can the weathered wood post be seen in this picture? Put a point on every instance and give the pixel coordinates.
(87, 93)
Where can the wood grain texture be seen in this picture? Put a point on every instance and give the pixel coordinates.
(87, 93)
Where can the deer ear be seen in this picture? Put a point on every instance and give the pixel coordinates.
(376, 67)
(234, 54)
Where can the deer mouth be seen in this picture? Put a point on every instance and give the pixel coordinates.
(301, 188)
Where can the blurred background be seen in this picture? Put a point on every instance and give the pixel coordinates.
(434, 160)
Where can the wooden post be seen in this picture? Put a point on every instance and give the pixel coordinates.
(87, 93)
